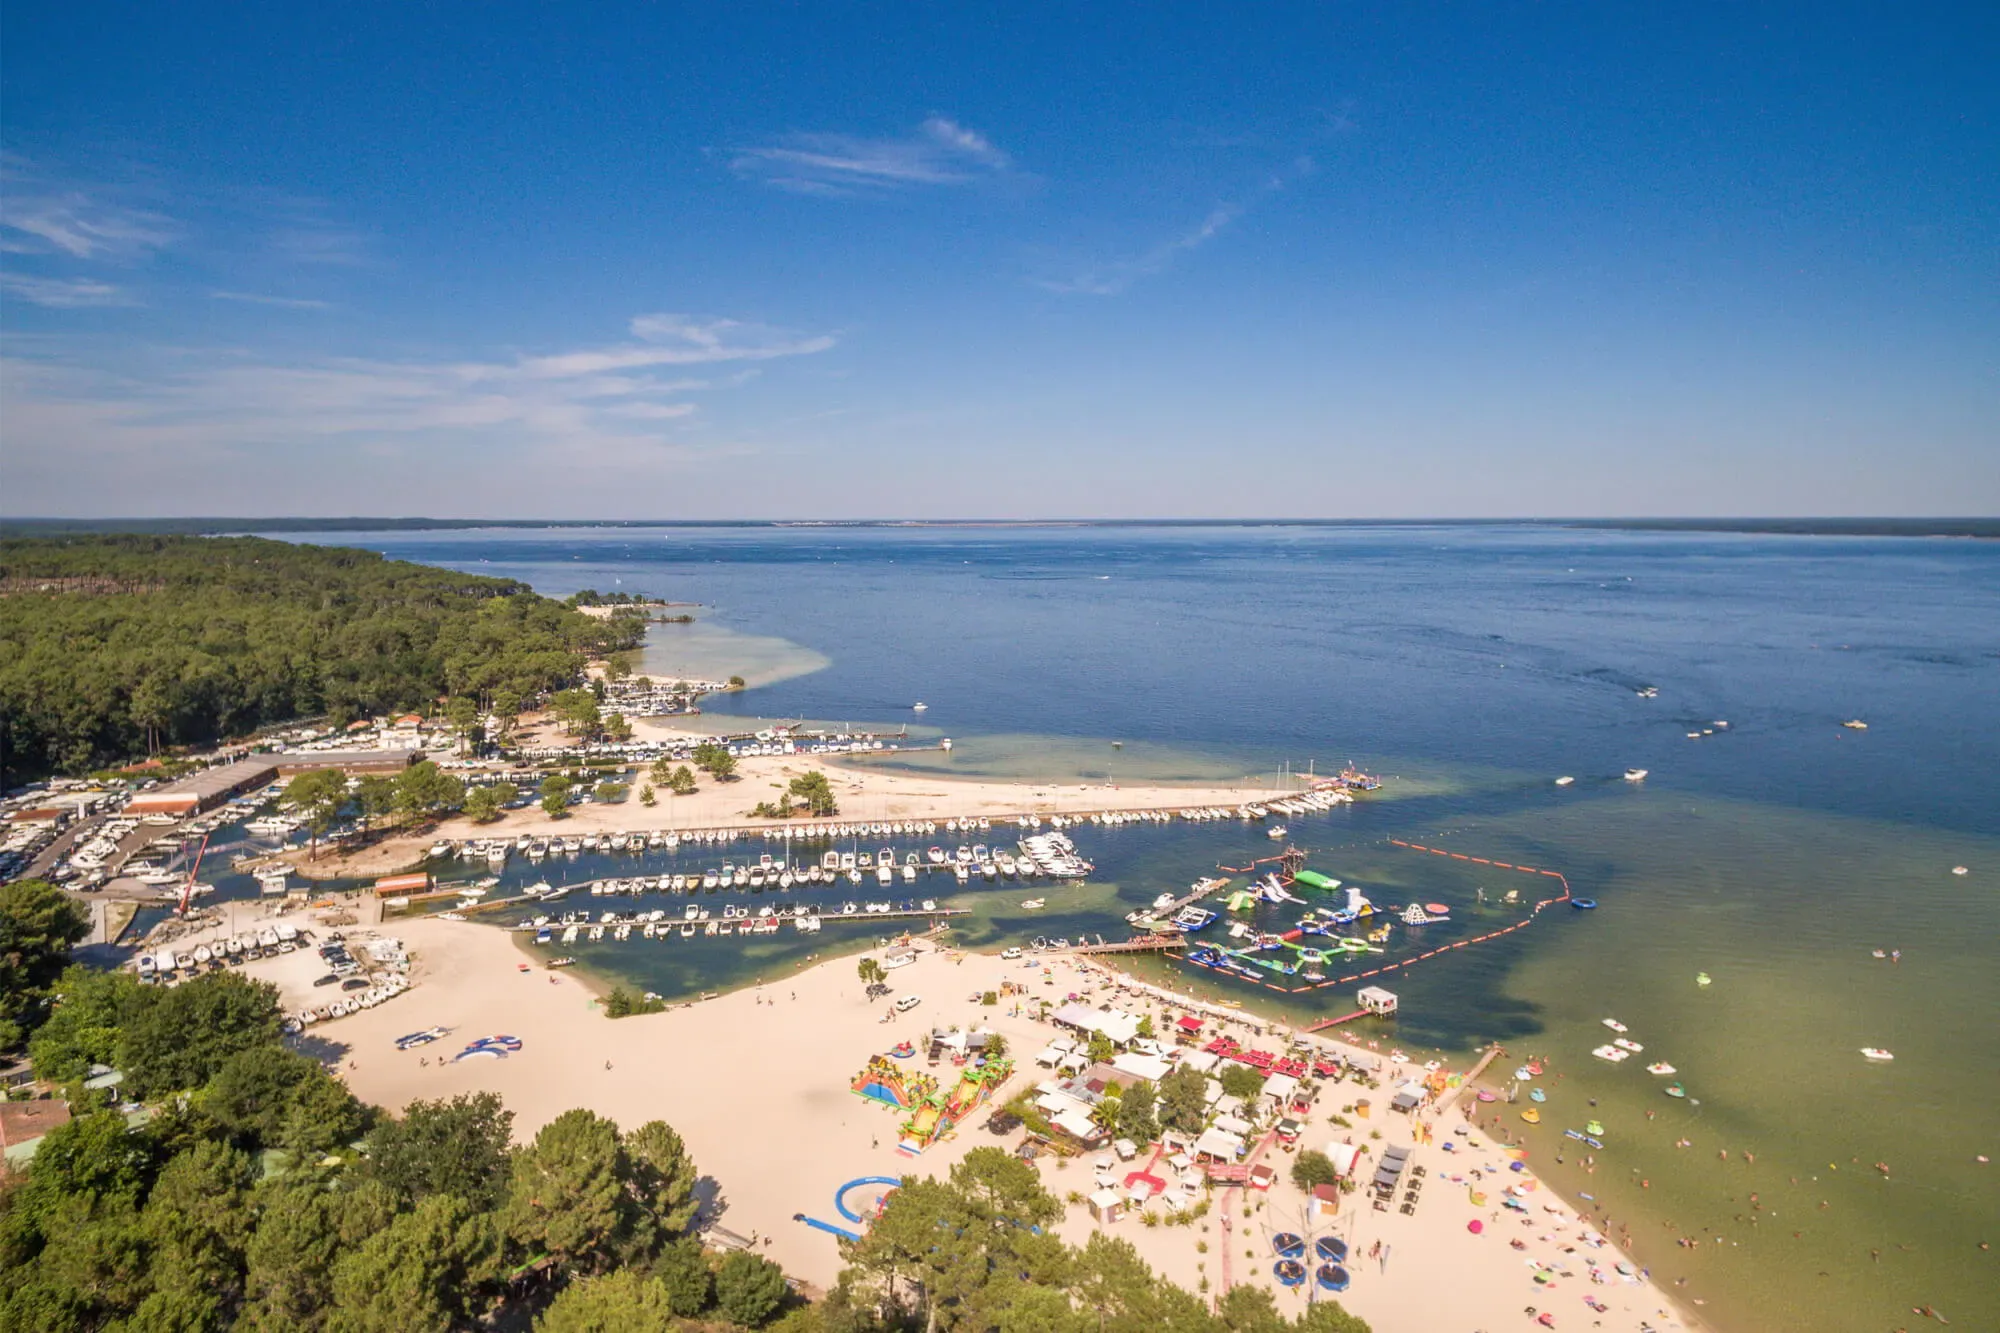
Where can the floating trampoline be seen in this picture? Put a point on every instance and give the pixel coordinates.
(1289, 1245)
(1289, 1271)
(1331, 1249)
(1332, 1277)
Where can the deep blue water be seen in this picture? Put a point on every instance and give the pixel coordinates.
(1511, 648)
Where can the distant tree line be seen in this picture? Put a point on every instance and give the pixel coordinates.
(232, 634)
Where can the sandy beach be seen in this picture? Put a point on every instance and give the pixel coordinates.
(865, 793)
(758, 1083)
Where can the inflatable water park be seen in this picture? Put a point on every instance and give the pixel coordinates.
(1338, 926)
(933, 1111)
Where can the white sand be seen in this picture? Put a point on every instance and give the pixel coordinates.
(865, 794)
(758, 1083)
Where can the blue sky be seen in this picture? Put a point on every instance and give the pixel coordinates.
(767, 261)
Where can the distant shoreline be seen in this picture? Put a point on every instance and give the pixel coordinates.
(1975, 528)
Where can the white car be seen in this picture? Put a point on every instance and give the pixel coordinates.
(907, 1003)
(1009, 955)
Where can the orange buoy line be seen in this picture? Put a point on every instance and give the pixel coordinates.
(1523, 924)
(1533, 912)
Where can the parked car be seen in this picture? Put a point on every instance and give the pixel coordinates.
(908, 1002)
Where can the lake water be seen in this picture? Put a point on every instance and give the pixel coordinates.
(1470, 666)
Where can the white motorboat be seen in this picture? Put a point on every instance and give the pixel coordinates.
(919, 707)
(1876, 1053)
(1635, 775)
(1564, 781)
(1277, 832)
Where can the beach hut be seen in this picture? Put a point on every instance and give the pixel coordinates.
(1054, 1053)
(1279, 1089)
(1322, 1204)
(1378, 1001)
(1107, 1205)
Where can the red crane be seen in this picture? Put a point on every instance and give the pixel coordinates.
(187, 890)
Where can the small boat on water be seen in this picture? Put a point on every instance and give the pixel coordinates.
(1675, 1090)
(1594, 1129)
(1537, 1095)
(1876, 1053)
(1615, 1025)
(1532, 1116)
(1276, 833)
(1702, 979)
(1661, 1068)
(1564, 781)
(919, 707)
(1627, 1044)
(1635, 774)
(1855, 724)
(1033, 903)
(1961, 870)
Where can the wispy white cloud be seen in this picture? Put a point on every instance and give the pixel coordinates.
(280, 302)
(588, 405)
(64, 293)
(1113, 277)
(940, 152)
(319, 243)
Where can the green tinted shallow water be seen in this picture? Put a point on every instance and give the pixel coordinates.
(1780, 907)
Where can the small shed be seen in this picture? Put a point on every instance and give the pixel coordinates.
(1322, 1204)
(1376, 1000)
(1280, 1088)
(1107, 1205)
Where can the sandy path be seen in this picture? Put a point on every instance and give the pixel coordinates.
(757, 1082)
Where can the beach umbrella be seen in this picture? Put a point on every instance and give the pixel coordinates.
(1475, 1226)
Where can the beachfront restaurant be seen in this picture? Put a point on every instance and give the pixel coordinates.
(1115, 1024)
(1218, 1144)
(1148, 1068)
